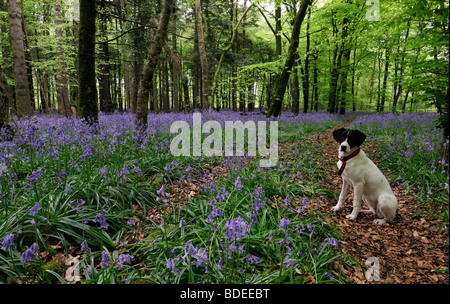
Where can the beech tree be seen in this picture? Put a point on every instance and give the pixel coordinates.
(283, 78)
(87, 84)
(21, 84)
(152, 59)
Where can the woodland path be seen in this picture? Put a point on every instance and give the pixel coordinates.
(413, 249)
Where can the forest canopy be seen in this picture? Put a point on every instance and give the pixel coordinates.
(350, 55)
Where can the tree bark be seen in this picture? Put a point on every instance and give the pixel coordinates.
(306, 68)
(283, 78)
(21, 88)
(152, 60)
(234, 27)
(385, 77)
(62, 95)
(104, 68)
(202, 53)
(87, 85)
(6, 90)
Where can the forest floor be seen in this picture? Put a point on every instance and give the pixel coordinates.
(412, 249)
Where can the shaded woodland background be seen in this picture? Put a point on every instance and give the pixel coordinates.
(177, 55)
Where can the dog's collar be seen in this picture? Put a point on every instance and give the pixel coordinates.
(345, 159)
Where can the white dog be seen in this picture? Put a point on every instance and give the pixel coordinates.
(369, 184)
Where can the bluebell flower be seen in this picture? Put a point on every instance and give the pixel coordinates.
(220, 264)
(237, 184)
(29, 254)
(289, 263)
(105, 259)
(101, 217)
(235, 229)
(34, 176)
(251, 259)
(283, 223)
(124, 258)
(85, 247)
(329, 241)
(35, 209)
(8, 241)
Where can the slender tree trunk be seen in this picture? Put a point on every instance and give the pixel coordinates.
(87, 85)
(152, 60)
(6, 90)
(306, 68)
(295, 94)
(202, 53)
(385, 77)
(234, 27)
(316, 84)
(21, 88)
(175, 71)
(62, 96)
(283, 78)
(343, 95)
(104, 67)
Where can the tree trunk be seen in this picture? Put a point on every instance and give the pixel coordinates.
(104, 68)
(234, 27)
(306, 68)
(202, 53)
(343, 95)
(6, 90)
(283, 78)
(385, 77)
(175, 71)
(295, 94)
(87, 85)
(21, 88)
(152, 60)
(62, 96)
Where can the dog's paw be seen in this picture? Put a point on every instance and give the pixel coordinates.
(351, 216)
(335, 208)
(380, 221)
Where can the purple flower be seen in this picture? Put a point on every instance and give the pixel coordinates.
(34, 177)
(237, 184)
(85, 247)
(101, 217)
(35, 209)
(235, 229)
(171, 265)
(283, 223)
(29, 254)
(289, 263)
(287, 200)
(124, 258)
(303, 207)
(220, 264)
(251, 259)
(8, 241)
(329, 241)
(105, 259)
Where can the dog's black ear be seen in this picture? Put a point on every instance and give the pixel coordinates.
(337, 134)
(356, 138)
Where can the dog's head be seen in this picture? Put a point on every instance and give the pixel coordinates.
(348, 139)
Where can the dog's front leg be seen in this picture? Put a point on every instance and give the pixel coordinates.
(342, 196)
(358, 189)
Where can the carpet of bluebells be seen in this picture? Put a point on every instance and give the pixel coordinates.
(95, 203)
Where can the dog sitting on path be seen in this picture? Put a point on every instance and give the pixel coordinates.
(358, 171)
